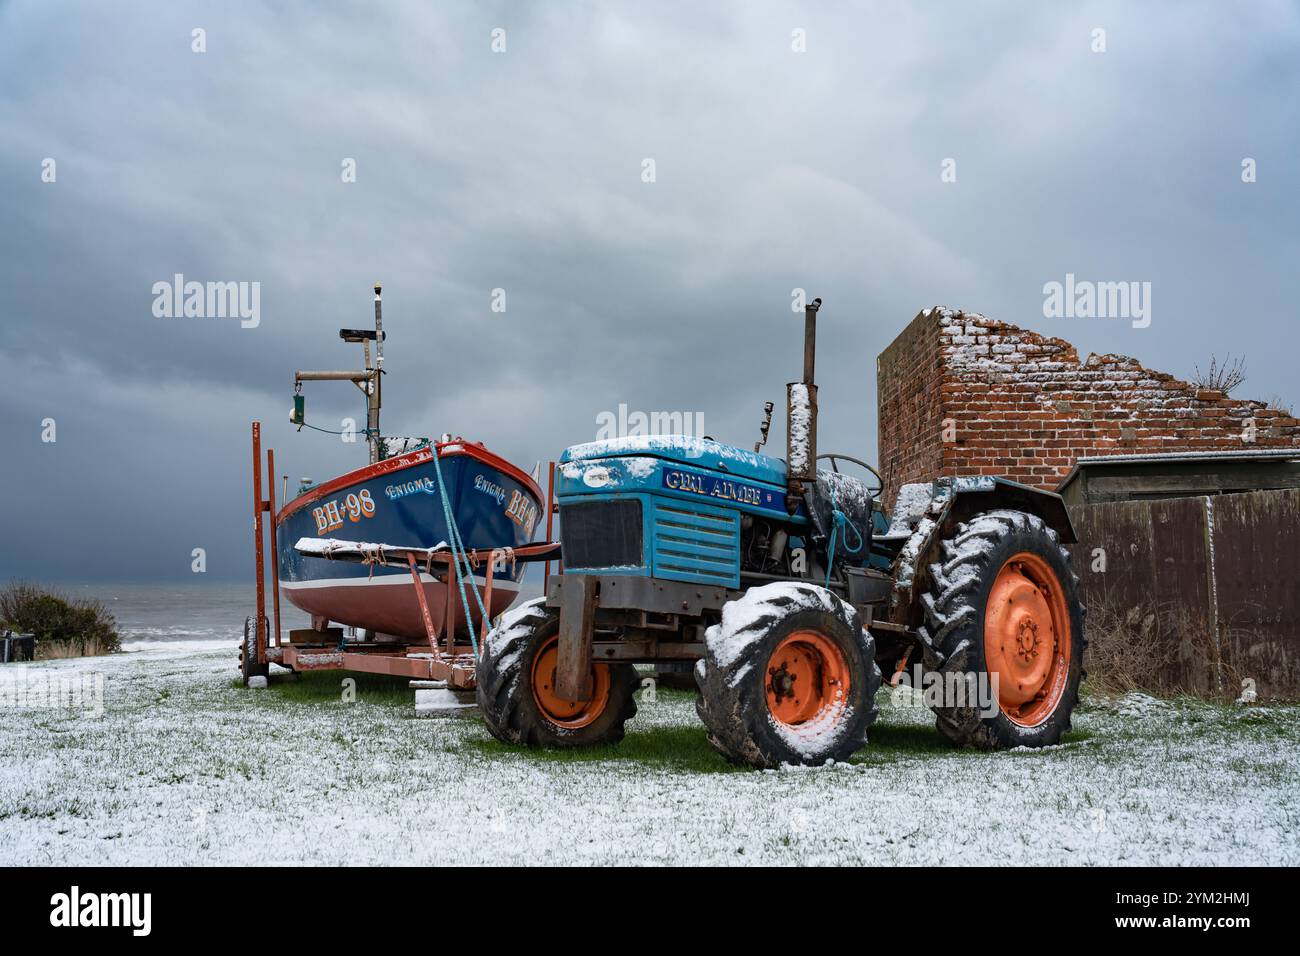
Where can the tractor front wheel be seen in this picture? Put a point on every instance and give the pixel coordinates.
(789, 676)
(1004, 632)
(516, 686)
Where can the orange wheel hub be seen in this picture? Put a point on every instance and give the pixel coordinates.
(1027, 639)
(561, 711)
(807, 679)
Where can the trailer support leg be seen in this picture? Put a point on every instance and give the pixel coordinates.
(424, 607)
(487, 598)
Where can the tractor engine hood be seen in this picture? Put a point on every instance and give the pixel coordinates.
(684, 450)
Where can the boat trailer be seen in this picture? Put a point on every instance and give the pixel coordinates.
(444, 655)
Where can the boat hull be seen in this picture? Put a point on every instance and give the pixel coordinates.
(397, 502)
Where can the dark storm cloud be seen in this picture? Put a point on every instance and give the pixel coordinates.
(522, 171)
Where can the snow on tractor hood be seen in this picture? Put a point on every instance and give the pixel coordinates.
(684, 450)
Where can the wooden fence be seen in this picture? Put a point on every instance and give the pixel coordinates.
(1205, 590)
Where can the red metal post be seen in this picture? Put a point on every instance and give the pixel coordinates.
(275, 550)
(257, 535)
(550, 517)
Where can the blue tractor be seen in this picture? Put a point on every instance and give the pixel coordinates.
(785, 590)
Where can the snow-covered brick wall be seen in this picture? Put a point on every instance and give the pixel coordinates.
(907, 406)
(962, 394)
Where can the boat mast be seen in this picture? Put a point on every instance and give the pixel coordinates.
(369, 380)
(374, 398)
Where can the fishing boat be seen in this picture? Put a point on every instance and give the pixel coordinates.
(398, 501)
(421, 495)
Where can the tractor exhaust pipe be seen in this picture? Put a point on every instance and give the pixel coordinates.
(801, 416)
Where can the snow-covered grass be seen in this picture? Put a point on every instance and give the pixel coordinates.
(186, 766)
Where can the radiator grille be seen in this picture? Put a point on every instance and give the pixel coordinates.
(601, 534)
(696, 543)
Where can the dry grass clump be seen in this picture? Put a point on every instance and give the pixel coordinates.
(1154, 648)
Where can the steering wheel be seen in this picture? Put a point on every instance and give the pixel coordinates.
(835, 458)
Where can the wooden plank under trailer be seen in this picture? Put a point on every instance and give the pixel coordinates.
(442, 658)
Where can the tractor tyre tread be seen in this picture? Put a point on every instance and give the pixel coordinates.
(732, 699)
(505, 697)
(952, 632)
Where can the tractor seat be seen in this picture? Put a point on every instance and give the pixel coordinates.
(850, 495)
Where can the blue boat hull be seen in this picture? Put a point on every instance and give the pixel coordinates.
(397, 502)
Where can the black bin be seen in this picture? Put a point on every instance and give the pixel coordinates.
(17, 647)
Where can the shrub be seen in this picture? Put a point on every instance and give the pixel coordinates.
(1221, 377)
(64, 627)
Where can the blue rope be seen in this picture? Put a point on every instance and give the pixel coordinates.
(842, 523)
(459, 555)
(365, 431)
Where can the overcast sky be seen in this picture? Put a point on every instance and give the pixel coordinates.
(523, 170)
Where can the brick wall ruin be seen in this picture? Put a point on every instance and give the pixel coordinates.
(961, 394)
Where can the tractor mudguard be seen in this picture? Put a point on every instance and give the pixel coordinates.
(971, 496)
(933, 514)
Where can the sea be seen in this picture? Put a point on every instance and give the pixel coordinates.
(197, 616)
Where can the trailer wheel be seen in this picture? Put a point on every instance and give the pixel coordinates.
(516, 686)
(788, 677)
(1004, 630)
(248, 665)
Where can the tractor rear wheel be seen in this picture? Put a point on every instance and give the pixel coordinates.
(516, 686)
(1004, 630)
(789, 676)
